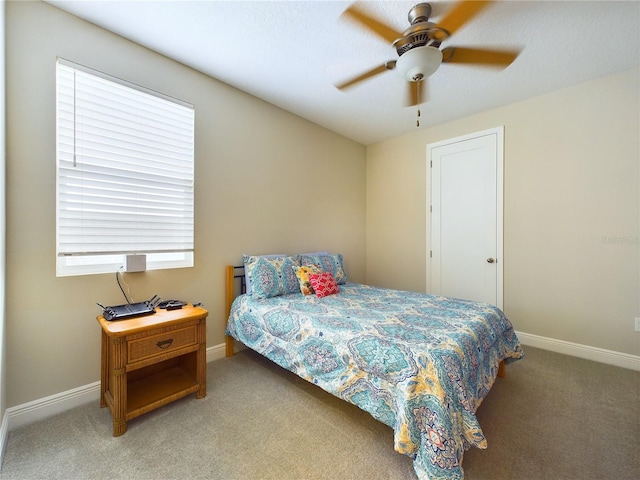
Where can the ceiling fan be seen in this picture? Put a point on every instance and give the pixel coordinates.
(418, 47)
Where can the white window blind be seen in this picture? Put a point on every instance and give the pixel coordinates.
(125, 167)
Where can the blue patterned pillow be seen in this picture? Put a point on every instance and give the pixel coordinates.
(271, 277)
(247, 280)
(328, 263)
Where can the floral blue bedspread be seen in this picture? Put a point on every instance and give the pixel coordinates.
(421, 364)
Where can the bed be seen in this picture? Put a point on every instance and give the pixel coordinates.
(419, 363)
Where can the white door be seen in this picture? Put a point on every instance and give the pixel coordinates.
(465, 251)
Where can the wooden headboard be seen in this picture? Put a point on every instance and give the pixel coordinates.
(234, 278)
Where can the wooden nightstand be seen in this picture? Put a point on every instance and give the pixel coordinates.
(150, 361)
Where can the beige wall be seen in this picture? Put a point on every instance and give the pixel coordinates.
(571, 211)
(266, 181)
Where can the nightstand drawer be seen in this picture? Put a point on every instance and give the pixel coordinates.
(162, 343)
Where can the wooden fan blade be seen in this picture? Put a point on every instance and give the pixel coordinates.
(385, 31)
(460, 14)
(479, 56)
(416, 93)
(368, 74)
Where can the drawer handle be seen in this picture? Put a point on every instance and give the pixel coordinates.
(165, 343)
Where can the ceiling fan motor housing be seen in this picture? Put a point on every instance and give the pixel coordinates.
(416, 36)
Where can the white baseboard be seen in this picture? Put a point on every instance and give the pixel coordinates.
(4, 435)
(52, 405)
(601, 355)
(216, 352)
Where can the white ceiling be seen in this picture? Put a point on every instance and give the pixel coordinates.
(292, 53)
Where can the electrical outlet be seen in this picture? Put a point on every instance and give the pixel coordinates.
(637, 324)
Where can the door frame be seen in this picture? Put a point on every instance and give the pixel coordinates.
(499, 133)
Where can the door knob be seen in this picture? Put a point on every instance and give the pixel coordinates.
(491, 260)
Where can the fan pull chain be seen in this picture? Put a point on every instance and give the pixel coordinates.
(417, 79)
(418, 99)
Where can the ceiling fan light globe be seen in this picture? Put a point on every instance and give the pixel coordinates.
(419, 63)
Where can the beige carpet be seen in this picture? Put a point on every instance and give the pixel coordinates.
(552, 417)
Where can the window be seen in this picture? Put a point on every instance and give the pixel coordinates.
(125, 174)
